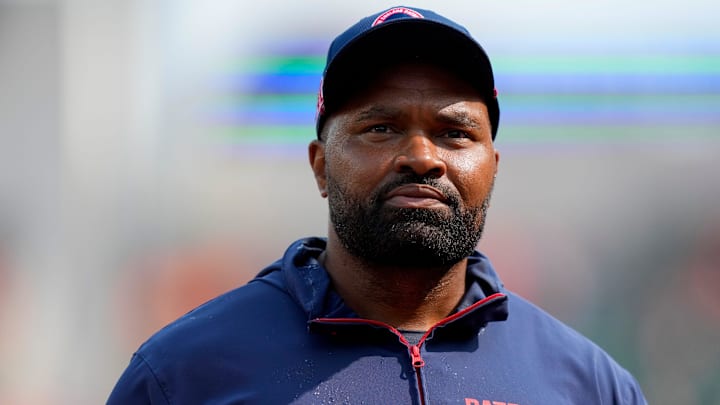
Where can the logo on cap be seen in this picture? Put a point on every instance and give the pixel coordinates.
(320, 102)
(394, 11)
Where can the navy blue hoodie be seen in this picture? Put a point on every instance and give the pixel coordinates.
(287, 337)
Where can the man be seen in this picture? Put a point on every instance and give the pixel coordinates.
(395, 306)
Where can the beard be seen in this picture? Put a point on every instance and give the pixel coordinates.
(406, 237)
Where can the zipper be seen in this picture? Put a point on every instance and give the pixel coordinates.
(418, 363)
(414, 350)
(417, 360)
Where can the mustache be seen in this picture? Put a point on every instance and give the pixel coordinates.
(452, 196)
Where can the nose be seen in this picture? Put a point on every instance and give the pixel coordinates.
(419, 155)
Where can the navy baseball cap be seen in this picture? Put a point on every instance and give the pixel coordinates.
(396, 35)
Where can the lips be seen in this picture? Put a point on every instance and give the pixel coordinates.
(415, 196)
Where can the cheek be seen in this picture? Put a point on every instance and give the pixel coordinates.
(358, 168)
(468, 165)
(474, 176)
(352, 173)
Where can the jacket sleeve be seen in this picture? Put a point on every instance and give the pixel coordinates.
(616, 385)
(138, 385)
(631, 393)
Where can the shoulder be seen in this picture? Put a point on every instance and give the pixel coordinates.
(199, 354)
(224, 320)
(545, 327)
(557, 338)
(580, 363)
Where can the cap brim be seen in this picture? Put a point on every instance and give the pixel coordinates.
(404, 40)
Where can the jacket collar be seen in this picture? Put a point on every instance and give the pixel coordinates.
(300, 273)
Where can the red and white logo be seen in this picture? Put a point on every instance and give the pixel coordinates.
(397, 10)
(320, 101)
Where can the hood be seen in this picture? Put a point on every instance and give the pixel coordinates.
(302, 276)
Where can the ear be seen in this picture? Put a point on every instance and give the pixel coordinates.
(316, 154)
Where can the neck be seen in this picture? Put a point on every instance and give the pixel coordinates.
(406, 298)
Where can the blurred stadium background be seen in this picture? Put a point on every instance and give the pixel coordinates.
(152, 155)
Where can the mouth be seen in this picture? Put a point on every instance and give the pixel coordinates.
(416, 196)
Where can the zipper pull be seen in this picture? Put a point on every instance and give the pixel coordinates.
(417, 360)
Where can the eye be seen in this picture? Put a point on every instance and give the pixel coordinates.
(380, 128)
(377, 133)
(456, 134)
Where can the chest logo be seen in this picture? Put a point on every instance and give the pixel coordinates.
(473, 401)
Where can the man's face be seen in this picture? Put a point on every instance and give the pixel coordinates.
(408, 167)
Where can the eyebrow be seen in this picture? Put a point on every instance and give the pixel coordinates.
(458, 117)
(453, 117)
(378, 111)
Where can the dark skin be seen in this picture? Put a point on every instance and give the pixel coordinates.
(418, 118)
